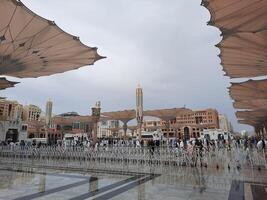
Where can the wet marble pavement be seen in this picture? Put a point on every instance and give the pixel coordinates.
(24, 183)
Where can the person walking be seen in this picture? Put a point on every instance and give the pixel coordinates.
(199, 151)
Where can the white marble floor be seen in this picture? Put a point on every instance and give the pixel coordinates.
(24, 183)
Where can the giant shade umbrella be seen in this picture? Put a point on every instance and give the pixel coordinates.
(249, 122)
(253, 117)
(31, 46)
(244, 29)
(125, 116)
(251, 104)
(4, 83)
(232, 16)
(252, 114)
(167, 114)
(243, 24)
(244, 54)
(248, 90)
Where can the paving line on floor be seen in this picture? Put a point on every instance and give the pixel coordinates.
(48, 173)
(68, 168)
(51, 191)
(90, 194)
(123, 189)
(104, 189)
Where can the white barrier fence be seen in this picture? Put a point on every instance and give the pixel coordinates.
(121, 157)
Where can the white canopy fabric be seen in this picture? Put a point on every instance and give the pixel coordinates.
(31, 46)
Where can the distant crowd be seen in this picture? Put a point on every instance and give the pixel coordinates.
(200, 144)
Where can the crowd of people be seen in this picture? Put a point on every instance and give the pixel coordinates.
(190, 145)
(194, 152)
(246, 143)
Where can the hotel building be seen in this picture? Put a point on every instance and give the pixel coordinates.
(186, 125)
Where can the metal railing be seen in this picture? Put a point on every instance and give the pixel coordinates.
(127, 158)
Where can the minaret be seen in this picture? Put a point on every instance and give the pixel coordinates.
(139, 109)
(48, 113)
(96, 112)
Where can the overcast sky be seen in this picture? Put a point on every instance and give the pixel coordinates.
(165, 46)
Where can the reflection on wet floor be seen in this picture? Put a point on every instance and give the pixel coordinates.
(42, 183)
(173, 183)
(93, 184)
(141, 192)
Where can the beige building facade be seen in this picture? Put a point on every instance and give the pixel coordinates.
(224, 123)
(31, 113)
(105, 128)
(11, 121)
(10, 110)
(187, 125)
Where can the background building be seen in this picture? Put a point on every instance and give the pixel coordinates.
(186, 125)
(105, 128)
(31, 113)
(19, 123)
(192, 123)
(48, 113)
(69, 123)
(10, 110)
(10, 120)
(224, 123)
(151, 125)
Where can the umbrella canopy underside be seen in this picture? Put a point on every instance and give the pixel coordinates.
(31, 46)
(243, 53)
(4, 83)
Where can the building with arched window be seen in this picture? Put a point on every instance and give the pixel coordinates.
(188, 124)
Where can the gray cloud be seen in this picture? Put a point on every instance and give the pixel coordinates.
(165, 46)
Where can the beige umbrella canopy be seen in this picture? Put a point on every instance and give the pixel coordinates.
(237, 16)
(249, 122)
(70, 120)
(31, 46)
(251, 104)
(243, 24)
(244, 54)
(253, 114)
(166, 114)
(244, 29)
(124, 116)
(253, 117)
(251, 89)
(4, 83)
